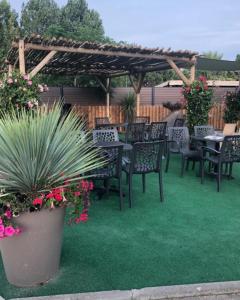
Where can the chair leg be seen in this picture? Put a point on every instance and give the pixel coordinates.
(160, 185)
(187, 165)
(193, 165)
(143, 182)
(226, 168)
(130, 189)
(202, 170)
(120, 193)
(126, 178)
(167, 161)
(182, 165)
(219, 171)
(230, 171)
(107, 186)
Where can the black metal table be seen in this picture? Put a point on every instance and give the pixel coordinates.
(126, 147)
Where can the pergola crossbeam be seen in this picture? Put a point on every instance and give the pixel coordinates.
(43, 63)
(178, 71)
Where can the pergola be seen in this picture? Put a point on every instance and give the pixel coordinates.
(36, 54)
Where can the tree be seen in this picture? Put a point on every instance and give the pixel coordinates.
(38, 15)
(8, 28)
(237, 58)
(80, 23)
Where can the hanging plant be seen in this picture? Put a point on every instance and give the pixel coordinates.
(198, 97)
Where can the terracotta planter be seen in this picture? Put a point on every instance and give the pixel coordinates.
(33, 257)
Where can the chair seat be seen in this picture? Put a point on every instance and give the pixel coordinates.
(102, 173)
(191, 153)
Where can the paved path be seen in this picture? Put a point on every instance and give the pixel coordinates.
(207, 291)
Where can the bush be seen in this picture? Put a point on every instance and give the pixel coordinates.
(198, 98)
(19, 91)
(232, 107)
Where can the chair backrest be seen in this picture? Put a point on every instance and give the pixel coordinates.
(229, 128)
(105, 126)
(147, 156)
(113, 157)
(135, 132)
(109, 135)
(202, 131)
(179, 122)
(180, 137)
(230, 150)
(142, 119)
(157, 131)
(101, 120)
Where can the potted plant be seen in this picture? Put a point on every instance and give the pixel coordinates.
(198, 97)
(128, 107)
(42, 165)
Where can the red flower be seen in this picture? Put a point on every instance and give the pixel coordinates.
(202, 78)
(37, 201)
(187, 89)
(76, 194)
(50, 195)
(58, 197)
(205, 87)
(198, 88)
(91, 186)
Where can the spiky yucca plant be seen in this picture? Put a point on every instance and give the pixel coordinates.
(39, 151)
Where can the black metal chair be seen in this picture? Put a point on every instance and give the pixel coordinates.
(157, 131)
(145, 158)
(179, 143)
(228, 154)
(202, 131)
(142, 119)
(109, 135)
(101, 121)
(135, 132)
(112, 169)
(179, 122)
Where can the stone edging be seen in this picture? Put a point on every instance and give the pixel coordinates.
(176, 292)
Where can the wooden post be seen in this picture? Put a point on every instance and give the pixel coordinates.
(137, 88)
(108, 85)
(10, 70)
(21, 57)
(192, 73)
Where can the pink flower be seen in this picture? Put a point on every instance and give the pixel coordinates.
(30, 104)
(18, 231)
(26, 77)
(202, 78)
(52, 205)
(76, 194)
(37, 201)
(2, 229)
(41, 88)
(58, 197)
(8, 214)
(10, 80)
(45, 87)
(9, 231)
(29, 82)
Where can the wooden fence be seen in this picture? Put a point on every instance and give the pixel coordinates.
(156, 113)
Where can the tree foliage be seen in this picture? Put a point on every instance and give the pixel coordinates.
(8, 28)
(232, 107)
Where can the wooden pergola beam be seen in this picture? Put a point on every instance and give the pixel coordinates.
(21, 53)
(100, 52)
(178, 71)
(46, 60)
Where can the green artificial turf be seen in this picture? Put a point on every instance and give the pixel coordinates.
(192, 237)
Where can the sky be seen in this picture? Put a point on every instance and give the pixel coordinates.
(206, 25)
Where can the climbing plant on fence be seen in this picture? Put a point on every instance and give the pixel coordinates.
(198, 97)
(232, 107)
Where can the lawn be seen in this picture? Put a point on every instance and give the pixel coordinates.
(192, 237)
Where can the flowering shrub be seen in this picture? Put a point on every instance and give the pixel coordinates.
(76, 194)
(198, 98)
(19, 91)
(232, 107)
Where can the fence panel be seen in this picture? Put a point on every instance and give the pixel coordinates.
(156, 113)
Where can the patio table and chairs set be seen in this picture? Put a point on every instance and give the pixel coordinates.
(140, 148)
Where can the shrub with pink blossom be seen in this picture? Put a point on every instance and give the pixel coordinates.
(20, 91)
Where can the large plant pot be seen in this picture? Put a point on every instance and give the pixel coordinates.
(33, 257)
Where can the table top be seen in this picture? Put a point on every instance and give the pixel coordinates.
(126, 147)
(214, 138)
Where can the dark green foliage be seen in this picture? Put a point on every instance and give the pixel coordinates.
(198, 98)
(232, 107)
(128, 106)
(8, 28)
